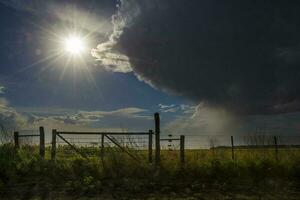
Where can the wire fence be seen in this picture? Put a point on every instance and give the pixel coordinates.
(220, 146)
(197, 147)
(197, 140)
(34, 140)
(192, 141)
(200, 141)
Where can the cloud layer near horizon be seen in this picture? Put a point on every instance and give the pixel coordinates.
(9, 118)
(131, 118)
(241, 56)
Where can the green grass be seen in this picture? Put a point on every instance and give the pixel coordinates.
(206, 173)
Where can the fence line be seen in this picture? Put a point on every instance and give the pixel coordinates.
(145, 141)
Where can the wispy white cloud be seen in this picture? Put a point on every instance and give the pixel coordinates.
(2, 89)
(163, 106)
(173, 108)
(188, 109)
(42, 111)
(105, 54)
(131, 112)
(9, 118)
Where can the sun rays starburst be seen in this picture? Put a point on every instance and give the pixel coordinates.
(66, 50)
(74, 45)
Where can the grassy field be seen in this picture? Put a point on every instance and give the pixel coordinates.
(207, 174)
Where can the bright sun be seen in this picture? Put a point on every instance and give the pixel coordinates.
(74, 45)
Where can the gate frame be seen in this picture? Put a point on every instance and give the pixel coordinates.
(59, 134)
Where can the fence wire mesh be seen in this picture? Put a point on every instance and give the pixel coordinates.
(32, 140)
(91, 145)
(238, 147)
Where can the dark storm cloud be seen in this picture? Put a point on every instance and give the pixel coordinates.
(243, 56)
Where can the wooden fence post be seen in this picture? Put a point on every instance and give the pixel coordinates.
(276, 148)
(42, 142)
(182, 158)
(16, 139)
(157, 139)
(150, 146)
(102, 146)
(53, 149)
(232, 148)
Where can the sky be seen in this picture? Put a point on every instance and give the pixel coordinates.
(208, 67)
